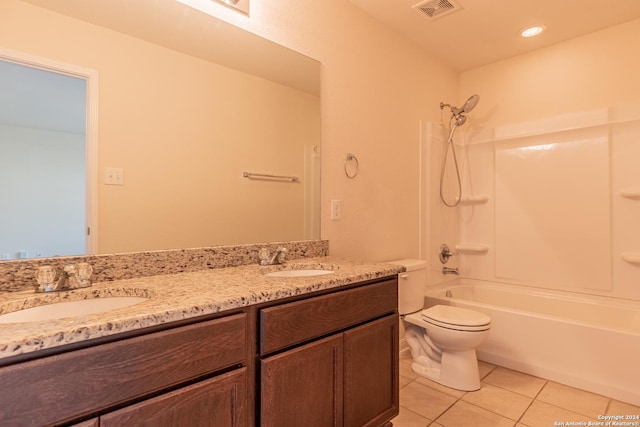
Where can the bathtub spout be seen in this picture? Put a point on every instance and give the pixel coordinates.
(448, 270)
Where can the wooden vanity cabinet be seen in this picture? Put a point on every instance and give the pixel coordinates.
(198, 370)
(328, 359)
(331, 360)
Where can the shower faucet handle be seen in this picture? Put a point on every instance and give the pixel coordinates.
(445, 253)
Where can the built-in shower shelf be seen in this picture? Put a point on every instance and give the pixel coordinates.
(630, 193)
(472, 248)
(631, 257)
(474, 200)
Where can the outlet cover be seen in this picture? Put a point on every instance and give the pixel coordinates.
(114, 176)
(336, 210)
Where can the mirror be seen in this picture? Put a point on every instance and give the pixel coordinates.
(186, 105)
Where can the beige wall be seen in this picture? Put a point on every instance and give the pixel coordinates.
(593, 71)
(579, 225)
(376, 87)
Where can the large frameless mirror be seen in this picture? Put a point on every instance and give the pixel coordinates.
(187, 107)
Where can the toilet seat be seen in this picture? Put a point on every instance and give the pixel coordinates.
(456, 318)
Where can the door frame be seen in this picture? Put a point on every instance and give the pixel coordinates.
(91, 131)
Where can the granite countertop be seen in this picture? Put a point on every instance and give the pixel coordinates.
(173, 297)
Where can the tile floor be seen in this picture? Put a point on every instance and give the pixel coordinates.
(507, 398)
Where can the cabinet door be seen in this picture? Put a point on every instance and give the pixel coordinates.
(371, 373)
(216, 402)
(94, 422)
(303, 386)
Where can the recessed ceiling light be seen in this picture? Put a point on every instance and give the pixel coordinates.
(532, 31)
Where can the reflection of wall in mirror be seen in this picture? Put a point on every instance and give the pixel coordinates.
(183, 130)
(42, 192)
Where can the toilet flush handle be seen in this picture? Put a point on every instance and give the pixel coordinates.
(403, 276)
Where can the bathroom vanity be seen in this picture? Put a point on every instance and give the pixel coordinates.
(285, 351)
(335, 355)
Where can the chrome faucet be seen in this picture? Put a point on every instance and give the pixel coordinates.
(445, 253)
(449, 270)
(70, 277)
(276, 258)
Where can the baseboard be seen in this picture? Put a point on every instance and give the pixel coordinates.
(405, 351)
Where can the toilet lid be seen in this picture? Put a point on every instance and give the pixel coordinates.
(449, 316)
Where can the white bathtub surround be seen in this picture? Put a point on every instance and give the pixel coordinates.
(561, 268)
(589, 342)
(560, 203)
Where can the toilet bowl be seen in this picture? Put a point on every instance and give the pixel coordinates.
(442, 339)
(443, 342)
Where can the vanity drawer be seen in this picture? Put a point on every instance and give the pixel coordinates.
(292, 323)
(70, 385)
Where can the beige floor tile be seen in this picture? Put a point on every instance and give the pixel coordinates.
(405, 368)
(408, 418)
(518, 382)
(465, 414)
(403, 381)
(424, 400)
(620, 408)
(541, 414)
(573, 399)
(441, 388)
(503, 402)
(485, 368)
(507, 398)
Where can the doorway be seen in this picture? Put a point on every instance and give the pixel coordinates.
(47, 158)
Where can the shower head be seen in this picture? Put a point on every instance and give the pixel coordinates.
(469, 105)
(457, 114)
(460, 119)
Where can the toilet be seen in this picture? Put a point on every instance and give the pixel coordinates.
(443, 339)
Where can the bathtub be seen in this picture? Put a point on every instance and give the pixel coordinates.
(588, 342)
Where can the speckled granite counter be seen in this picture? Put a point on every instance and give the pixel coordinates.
(172, 298)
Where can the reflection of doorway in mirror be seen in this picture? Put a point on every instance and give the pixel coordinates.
(46, 192)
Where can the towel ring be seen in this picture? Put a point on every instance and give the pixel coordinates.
(351, 166)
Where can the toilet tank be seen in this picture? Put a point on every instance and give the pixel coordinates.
(411, 285)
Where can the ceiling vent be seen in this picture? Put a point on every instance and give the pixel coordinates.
(437, 8)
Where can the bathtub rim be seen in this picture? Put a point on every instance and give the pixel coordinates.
(587, 299)
(609, 382)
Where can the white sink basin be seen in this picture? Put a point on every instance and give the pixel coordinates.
(60, 310)
(298, 273)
